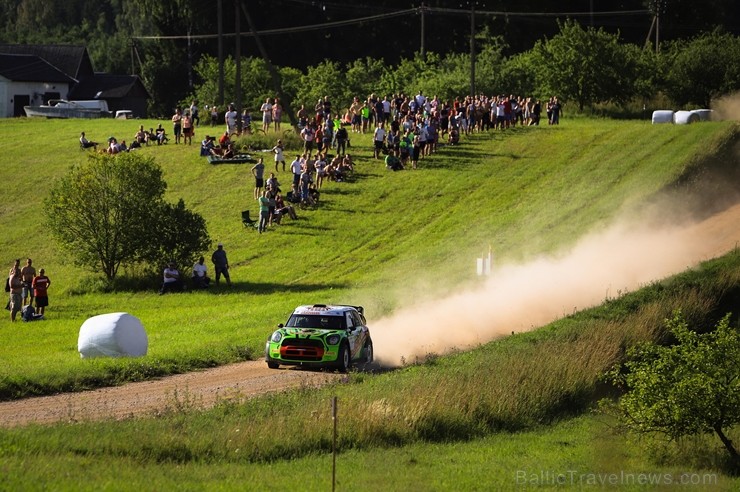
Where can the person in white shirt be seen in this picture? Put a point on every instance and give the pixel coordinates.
(231, 117)
(379, 139)
(266, 109)
(200, 274)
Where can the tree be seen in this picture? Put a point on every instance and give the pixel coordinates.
(688, 388)
(701, 69)
(586, 66)
(183, 236)
(109, 211)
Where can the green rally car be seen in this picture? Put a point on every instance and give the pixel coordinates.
(321, 335)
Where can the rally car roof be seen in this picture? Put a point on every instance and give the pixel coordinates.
(327, 309)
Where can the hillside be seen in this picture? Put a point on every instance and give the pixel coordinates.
(476, 419)
(385, 240)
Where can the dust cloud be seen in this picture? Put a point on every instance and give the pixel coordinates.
(726, 108)
(522, 297)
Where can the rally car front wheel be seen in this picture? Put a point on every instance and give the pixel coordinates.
(343, 359)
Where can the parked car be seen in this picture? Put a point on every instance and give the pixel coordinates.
(320, 335)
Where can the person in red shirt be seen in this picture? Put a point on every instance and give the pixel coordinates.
(40, 283)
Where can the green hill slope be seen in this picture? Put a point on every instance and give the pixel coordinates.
(383, 240)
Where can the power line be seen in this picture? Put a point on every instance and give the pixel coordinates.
(416, 10)
(286, 30)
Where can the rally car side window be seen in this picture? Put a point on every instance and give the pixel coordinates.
(350, 321)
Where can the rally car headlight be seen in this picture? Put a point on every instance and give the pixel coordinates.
(332, 339)
(276, 337)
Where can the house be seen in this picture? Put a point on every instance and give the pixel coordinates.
(48, 65)
(29, 80)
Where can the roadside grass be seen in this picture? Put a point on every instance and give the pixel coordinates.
(582, 453)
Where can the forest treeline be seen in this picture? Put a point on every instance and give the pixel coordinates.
(582, 64)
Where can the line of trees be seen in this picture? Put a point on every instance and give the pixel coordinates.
(110, 29)
(583, 66)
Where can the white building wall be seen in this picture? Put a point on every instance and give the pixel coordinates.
(35, 90)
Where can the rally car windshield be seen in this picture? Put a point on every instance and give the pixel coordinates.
(316, 321)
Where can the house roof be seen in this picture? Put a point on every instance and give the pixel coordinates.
(71, 59)
(109, 86)
(31, 68)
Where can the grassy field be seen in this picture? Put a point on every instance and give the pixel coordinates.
(381, 240)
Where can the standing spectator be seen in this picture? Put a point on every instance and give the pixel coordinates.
(365, 117)
(246, 122)
(308, 134)
(214, 116)
(187, 128)
(536, 112)
(194, 113)
(295, 168)
(272, 183)
(277, 114)
(177, 125)
(302, 116)
(266, 109)
(258, 171)
(378, 139)
(355, 111)
(200, 274)
(231, 117)
(27, 274)
(40, 284)
(16, 290)
(556, 109)
(279, 157)
(320, 166)
(264, 212)
(221, 264)
(342, 139)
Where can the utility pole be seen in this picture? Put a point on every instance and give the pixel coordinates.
(591, 6)
(238, 56)
(422, 10)
(472, 48)
(220, 16)
(274, 74)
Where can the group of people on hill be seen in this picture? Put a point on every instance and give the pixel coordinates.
(173, 281)
(26, 288)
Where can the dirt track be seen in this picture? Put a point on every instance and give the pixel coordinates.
(201, 389)
(205, 388)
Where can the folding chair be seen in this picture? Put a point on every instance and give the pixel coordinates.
(247, 220)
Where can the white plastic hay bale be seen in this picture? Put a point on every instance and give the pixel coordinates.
(685, 117)
(112, 335)
(662, 116)
(703, 114)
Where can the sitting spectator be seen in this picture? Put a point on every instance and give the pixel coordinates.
(281, 209)
(207, 146)
(393, 163)
(172, 281)
(141, 137)
(160, 134)
(224, 140)
(454, 137)
(229, 152)
(113, 145)
(201, 280)
(86, 144)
